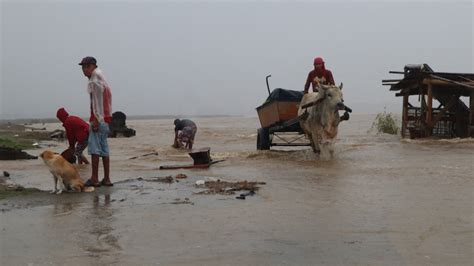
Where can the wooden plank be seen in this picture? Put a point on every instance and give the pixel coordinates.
(467, 79)
(439, 81)
(291, 144)
(268, 114)
(423, 103)
(464, 84)
(423, 112)
(287, 110)
(443, 111)
(404, 115)
(429, 109)
(189, 166)
(275, 112)
(471, 115)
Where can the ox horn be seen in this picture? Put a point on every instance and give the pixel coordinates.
(340, 86)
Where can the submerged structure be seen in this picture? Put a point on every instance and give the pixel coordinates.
(435, 104)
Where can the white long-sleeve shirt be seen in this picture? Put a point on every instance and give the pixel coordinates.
(101, 97)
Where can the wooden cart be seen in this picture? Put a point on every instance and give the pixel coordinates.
(279, 120)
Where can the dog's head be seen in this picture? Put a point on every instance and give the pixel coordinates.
(47, 155)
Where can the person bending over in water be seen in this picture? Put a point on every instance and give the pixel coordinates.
(184, 133)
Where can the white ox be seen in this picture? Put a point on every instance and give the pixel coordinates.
(320, 117)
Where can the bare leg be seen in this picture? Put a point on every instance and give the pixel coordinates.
(95, 169)
(106, 162)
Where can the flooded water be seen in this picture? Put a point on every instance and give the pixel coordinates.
(382, 200)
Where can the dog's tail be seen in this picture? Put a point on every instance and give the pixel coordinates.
(88, 189)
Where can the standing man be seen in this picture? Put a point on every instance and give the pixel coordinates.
(184, 133)
(324, 75)
(101, 110)
(77, 131)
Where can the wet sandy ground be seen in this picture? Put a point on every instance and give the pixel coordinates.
(382, 201)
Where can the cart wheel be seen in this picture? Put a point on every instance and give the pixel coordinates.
(263, 139)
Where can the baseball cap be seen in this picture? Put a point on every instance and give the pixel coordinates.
(88, 60)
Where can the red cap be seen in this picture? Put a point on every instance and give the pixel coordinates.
(318, 60)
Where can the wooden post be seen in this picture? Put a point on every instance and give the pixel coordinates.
(423, 110)
(405, 114)
(429, 111)
(471, 115)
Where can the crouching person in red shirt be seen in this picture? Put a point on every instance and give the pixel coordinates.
(77, 132)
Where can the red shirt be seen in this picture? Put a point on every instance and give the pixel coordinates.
(325, 73)
(77, 130)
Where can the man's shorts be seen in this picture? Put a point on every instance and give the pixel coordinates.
(98, 140)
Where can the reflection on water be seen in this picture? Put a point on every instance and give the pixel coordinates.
(62, 209)
(99, 237)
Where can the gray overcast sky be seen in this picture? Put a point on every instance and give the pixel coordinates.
(205, 58)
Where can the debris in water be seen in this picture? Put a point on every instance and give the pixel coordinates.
(14, 154)
(179, 201)
(244, 195)
(227, 188)
(6, 174)
(144, 155)
(167, 179)
(181, 176)
(58, 134)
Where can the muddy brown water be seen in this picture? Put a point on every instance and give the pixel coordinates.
(381, 201)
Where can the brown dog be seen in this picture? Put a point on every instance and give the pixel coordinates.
(67, 174)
